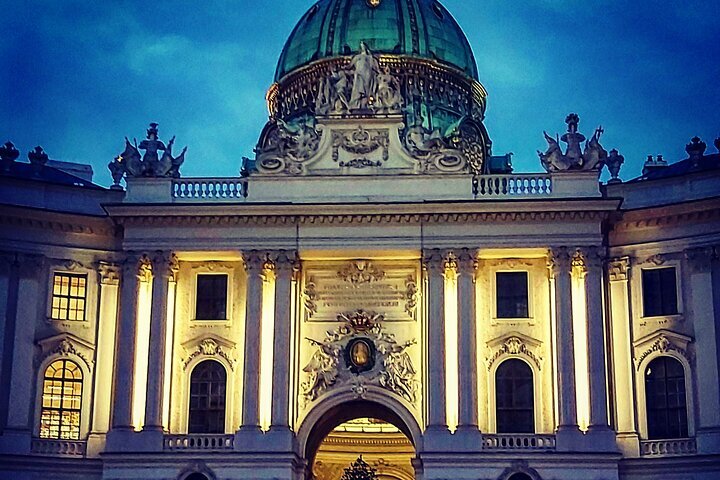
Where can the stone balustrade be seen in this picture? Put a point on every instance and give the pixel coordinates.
(209, 189)
(199, 442)
(520, 185)
(70, 448)
(511, 441)
(663, 448)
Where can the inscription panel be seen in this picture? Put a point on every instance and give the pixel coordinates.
(387, 288)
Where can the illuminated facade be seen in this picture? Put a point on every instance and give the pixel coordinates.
(375, 281)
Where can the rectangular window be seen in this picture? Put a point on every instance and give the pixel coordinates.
(512, 294)
(211, 297)
(68, 299)
(659, 289)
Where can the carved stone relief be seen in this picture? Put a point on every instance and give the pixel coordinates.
(517, 345)
(360, 143)
(65, 345)
(663, 341)
(208, 347)
(336, 361)
(285, 147)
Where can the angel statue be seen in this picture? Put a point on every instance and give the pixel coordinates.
(322, 369)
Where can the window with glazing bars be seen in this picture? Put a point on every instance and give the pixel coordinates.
(666, 399)
(211, 297)
(61, 401)
(69, 296)
(659, 287)
(512, 294)
(207, 398)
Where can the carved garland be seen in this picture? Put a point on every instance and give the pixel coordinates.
(514, 346)
(209, 348)
(663, 344)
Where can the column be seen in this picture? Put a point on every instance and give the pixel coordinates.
(434, 264)
(9, 282)
(109, 276)
(165, 267)
(622, 363)
(599, 428)
(253, 319)
(704, 320)
(22, 381)
(284, 269)
(125, 345)
(467, 352)
(568, 432)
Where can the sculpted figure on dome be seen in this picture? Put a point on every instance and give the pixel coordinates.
(366, 69)
(420, 140)
(284, 146)
(388, 91)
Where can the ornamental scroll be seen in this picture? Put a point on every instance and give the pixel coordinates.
(334, 287)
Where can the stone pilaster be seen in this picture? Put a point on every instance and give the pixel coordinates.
(703, 301)
(622, 359)
(134, 268)
(568, 432)
(602, 438)
(434, 264)
(109, 276)
(254, 266)
(165, 267)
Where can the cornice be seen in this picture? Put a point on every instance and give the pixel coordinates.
(651, 217)
(57, 222)
(346, 214)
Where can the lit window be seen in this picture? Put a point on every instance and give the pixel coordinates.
(211, 298)
(659, 287)
(207, 398)
(61, 401)
(514, 398)
(512, 294)
(69, 293)
(665, 398)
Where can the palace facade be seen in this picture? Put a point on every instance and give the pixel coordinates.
(374, 281)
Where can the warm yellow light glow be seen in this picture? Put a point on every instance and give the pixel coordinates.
(142, 349)
(167, 373)
(267, 338)
(582, 380)
(554, 336)
(451, 351)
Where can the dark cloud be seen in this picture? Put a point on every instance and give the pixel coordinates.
(78, 76)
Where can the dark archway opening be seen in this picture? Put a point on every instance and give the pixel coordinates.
(196, 476)
(520, 476)
(333, 425)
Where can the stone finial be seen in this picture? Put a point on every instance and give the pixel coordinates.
(717, 144)
(38, 158)
(8, 154)
(572, 120)
(696, 149)
(614, 163)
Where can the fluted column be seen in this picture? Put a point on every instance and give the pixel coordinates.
(599, 428)
(467, 352)
(133, 268)
(253, 325)
(704, 300)
(165, 266)
(434, 264)
(561, 266)
(284, 269)
(622, 363)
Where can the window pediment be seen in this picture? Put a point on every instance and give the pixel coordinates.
(514, 344)
(209, 346)
(65, 345)
(661, 341)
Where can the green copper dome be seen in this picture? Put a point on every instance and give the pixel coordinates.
(419, 28)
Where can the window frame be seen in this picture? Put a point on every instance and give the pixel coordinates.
(228, 273)
(530, 297)
(666, 358)
(183, 414)
(82, 397)
(85, 298)
(678, 290)
(533, 408)
(92, 293)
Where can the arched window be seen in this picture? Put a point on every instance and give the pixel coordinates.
(665, 399)
(61, 401)
(196, 476)
(515, 406)
(207, 398)
(520, 476)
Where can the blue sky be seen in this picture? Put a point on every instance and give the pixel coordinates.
(78, 76)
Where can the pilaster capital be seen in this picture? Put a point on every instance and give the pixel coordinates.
(451, 265)
(434, 261)
(699, 259)
(138, 265)
(254, 262)
(619, 269)
(467, 262)
(560, 260)
(165, 265)
(285, 261)
(109, 273)
(589, 258)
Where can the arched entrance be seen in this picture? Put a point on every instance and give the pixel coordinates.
(335, 434)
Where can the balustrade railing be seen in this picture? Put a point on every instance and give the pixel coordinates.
(72, 448)
(199, 442)
(521, 185)
(508, 441)
(661, 448)
(209, 189)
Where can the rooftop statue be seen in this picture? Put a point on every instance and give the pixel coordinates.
(131, 164)
(593, 157)
(8, 154)
(285, 146)
(360, 87)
